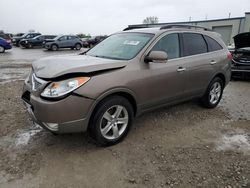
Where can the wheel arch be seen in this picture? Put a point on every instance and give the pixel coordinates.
(222, 77)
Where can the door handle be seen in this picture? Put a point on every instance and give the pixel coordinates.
(213, 62)
(181, 69)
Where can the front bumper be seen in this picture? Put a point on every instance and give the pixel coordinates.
(68, 115)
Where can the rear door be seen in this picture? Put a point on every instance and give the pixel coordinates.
(200, 64)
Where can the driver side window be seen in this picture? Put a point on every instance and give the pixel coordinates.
(169, 44)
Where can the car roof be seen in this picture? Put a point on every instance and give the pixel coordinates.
(163, 29)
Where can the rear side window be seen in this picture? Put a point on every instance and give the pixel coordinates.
(213, 45)
(170, 45)
(193, 44)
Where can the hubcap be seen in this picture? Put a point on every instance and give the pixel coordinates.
(1, 49)
(54, 47)
(114, 122)
(215, 93)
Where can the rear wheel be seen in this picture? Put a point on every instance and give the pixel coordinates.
(78, 46)
(54, 47)
(2, 49)
(111, 121)
(213, 94)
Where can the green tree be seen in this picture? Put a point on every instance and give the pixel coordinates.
(151, 20)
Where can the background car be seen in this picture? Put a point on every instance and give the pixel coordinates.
(63, 41)
(241, 56)
(94, 40)
(16, 40)
(36, 41)
(4, 45)
(6, 36)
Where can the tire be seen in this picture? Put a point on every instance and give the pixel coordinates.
(213, 93)
(2, 49)
(30, 45)
(78, 46)
(54, 47)
(105, 127)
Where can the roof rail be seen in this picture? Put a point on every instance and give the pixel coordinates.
(183, 26)
(135, 27)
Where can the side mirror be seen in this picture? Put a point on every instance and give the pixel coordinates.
(157, 57)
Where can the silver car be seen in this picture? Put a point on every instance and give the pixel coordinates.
(63, 41)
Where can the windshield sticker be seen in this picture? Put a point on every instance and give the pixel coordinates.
(131, 42)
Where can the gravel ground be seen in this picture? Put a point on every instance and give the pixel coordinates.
(180, 146)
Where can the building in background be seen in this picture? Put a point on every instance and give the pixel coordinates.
(228, 27)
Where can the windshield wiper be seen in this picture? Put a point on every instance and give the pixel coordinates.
(106, 57)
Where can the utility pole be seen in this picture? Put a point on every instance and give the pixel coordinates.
(190, 18)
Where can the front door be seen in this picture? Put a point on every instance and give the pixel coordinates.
(166, 81)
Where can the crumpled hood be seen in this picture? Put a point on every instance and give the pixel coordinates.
(52, 67)
(242, 40)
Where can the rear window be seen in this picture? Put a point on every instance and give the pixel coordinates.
(213, 45)
(194, 44)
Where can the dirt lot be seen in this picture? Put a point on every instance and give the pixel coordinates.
(181, 146)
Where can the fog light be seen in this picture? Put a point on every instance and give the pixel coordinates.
(51, 126)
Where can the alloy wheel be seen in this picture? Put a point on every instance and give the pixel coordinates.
(215, 93)
(114, 122)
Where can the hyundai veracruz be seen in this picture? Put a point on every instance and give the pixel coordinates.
(129, 73)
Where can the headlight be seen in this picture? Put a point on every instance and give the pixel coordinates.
(61, 88)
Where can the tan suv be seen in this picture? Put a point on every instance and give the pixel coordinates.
(129, 73)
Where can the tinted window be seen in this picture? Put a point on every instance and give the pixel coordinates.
(213, 45)
(194, 44)
(63, 38)
(170, 45)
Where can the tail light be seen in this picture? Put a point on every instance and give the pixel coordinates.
(229, 56)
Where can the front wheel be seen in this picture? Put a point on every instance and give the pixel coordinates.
(111, 121)
(54, 47)
(213, 94)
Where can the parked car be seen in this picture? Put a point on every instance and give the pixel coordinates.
(94, 40)
(85, 43)
(241, 56)
(17, 39)
(4, 45)
(127, 74)
(63, 41)
(6, 36)
(36, 41)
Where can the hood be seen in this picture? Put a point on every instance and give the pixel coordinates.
(52, 67)
(17, 37)
(242, 40)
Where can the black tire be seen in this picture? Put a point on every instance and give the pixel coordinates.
(97, 119)
(54, 47)
(78, 46)
(30, 45)
(207, 99)
(2, 49)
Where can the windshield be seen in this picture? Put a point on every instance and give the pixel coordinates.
(122, 46)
